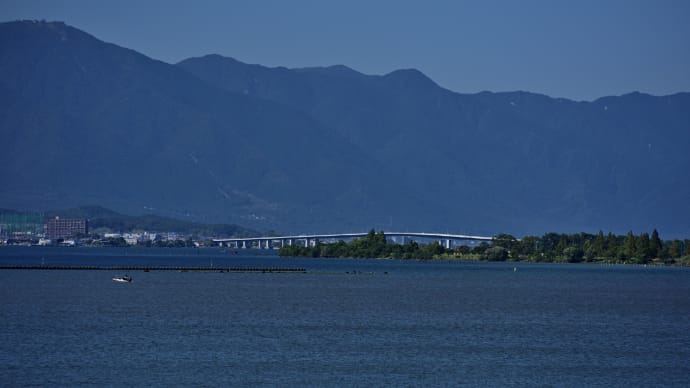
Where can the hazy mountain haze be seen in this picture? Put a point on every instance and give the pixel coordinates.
(326, 148)
(579, 50)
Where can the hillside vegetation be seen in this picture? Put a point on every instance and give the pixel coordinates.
(326, 149)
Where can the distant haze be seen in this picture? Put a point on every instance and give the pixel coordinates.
(213, 139)
(578, 50)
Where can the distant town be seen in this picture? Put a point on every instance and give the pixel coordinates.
(103, 227)
(59, 231)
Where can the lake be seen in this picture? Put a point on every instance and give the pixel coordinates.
(344, 322)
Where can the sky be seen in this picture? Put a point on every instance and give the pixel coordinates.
(581, 50)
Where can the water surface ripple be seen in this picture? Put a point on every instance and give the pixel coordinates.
(393, 323)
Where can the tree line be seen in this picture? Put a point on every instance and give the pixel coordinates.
(551, 247)
(373, 245)
(585, 247)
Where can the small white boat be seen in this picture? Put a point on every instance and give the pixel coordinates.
(123, 279)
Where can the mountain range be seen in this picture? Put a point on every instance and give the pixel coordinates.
(322, 149)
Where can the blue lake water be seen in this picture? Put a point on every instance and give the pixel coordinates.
(395, 323)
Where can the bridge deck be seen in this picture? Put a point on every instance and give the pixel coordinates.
(358, 235)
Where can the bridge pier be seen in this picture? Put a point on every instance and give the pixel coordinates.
(444, 239)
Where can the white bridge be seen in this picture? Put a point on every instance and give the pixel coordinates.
(445, 239)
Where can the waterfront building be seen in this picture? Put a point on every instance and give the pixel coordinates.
(21, 226)
(57, 228)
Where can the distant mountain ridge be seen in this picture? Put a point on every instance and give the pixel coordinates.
(100, 217)
(105, 218)
(539, 158)
(328, 148)
(95, 123)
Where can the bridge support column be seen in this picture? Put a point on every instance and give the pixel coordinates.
(448, 244)
(306, 243)
(268, 244)
(244, 244)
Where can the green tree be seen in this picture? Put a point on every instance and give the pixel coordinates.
(430, 250)
(410, 249)
(643, 248)
(463, 249)
(481, 248)
(573, 254)
(529, 246)
(589, 250)
(674, 249)
(562, 244)
(612, 247)
(655, 244)
(549, 244)
(505, 240)
(599, 245)
(496, 253)
(629, 248)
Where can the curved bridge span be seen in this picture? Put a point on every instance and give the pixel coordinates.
(446, 239)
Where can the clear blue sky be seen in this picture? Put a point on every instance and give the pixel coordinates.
(580, 49)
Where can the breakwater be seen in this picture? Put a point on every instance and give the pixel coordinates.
(154, 268)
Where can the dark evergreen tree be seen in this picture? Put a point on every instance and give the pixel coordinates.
(674, 249)
(505, 240)
(655, 245)
(613, 249)
(573, 254)
(642, 248)
(589, 250)
(496, 253)
(481, 248)
(562, 244)
(599, 245)
(550, 241)
(629, 249)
